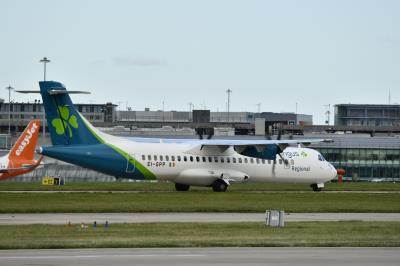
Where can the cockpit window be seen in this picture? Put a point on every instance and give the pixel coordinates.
(321, 158)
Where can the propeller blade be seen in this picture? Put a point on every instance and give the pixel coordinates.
(285, 161)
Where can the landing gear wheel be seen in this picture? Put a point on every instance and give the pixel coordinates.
(181, 187)
(219, 186)
(315, 188)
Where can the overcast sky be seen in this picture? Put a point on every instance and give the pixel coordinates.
(141, 53)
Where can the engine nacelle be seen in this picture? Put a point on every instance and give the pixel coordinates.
(234, 177)
(268, 153)
(206, 177)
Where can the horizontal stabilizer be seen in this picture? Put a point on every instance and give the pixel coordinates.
(54, 92)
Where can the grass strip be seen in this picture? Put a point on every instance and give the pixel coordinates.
(306, 234)
(197, 201)
(167, 186)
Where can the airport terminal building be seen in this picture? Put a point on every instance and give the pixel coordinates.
(367, 115)
(364, 157)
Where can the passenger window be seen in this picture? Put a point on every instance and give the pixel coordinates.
(191, 158)
(167, 158)
(216, 159)
(245, 160)
(228, 160)
(172, 158)
(263, 161)
(269, 161)
(204, 159)
(233, 160)
(149, 157)
(280, 161)
(197, 159)
(222, 159)
(292, 162)
(143, 157)
(258, 161)
(240, 160)
(161, 158)
(179, 158)
(155, 157)
(210, 159)
(185, 158)
(251, 160)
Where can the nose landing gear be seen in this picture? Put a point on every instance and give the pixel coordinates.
(317, 187)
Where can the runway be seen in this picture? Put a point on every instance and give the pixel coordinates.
(64, 218)
(204, 256)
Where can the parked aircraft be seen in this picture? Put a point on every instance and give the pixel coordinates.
(206, 162)
(20, 159)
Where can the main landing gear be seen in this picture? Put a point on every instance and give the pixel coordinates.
(219, 186)
(317, 187)
(181, 187)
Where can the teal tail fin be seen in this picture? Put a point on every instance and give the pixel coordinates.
(66, 125)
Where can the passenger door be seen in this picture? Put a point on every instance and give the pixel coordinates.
(130, 164)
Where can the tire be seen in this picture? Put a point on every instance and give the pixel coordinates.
(181, 187)
(219, 186)
(315, 188)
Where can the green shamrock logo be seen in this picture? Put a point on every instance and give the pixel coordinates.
(303, 153)
(66, 122)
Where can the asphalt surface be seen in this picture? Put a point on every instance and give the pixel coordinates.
(204, 256)
(173, 191)
(64, 218)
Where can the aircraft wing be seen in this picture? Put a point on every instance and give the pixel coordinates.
(255, 143)
(214, 147)
(262, 148)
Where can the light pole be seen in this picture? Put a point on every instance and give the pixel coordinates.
(327, 113)
(229, 91)
(163, 111)
(9, 88)
(191, 107)
(44, 61)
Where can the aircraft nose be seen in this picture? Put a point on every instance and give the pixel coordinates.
(334, 171)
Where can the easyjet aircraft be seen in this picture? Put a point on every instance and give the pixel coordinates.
(20, 159)
(213, 163)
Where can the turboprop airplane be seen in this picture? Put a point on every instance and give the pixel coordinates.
(212, 163)
(20, 159)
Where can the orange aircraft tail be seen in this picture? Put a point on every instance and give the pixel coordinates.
(24, 148)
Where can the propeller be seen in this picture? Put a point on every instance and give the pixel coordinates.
(278, 148)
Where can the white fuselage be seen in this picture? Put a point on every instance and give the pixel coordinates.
(172, 162)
